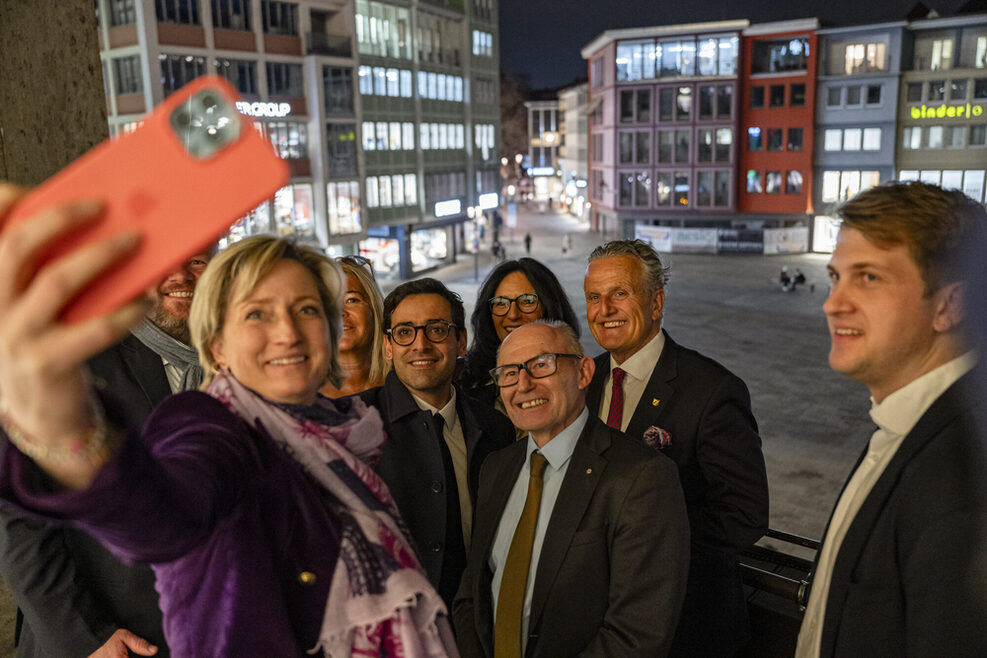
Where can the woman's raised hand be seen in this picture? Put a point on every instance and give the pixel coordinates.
(48, 407)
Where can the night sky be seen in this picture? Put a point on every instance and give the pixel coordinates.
(542, 38)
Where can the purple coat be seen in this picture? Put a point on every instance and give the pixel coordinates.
(228, 521)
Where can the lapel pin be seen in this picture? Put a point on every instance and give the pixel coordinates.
(655, 402)
(589, 471)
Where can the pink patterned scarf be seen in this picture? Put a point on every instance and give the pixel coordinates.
(380, 602)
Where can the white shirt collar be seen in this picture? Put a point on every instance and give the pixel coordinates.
(640, 364)
(898, 412)
(448, 412)
(559, 448)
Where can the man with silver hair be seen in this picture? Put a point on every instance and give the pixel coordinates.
(697, 413)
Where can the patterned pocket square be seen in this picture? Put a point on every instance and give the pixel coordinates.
(657, 438)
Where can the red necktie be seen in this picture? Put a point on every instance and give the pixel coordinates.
(616, 415)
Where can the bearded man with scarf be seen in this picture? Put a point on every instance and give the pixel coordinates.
(74, 597)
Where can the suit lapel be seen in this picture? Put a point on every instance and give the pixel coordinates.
(146, 368)
(501, 480)
(657, 393)
(594, 392)
(943, 411)
(581, 478)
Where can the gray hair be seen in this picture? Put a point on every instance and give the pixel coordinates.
(569, 337)
(655, 273)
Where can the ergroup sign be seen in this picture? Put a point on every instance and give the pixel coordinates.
(944, 111)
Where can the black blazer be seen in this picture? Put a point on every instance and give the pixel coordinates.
(910, 577)
(612, 570)
(411, 465)
(72, 592)
(706, 410)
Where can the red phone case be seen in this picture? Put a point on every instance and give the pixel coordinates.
(146, 180)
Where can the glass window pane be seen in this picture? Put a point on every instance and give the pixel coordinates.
(754, 139)
(973, 184)
(952, 179)
(754, 182)
(681, 145)
(704, 145)
(724, 140)
(704, 188)
(724, 101)
(642, 147)
(832, 139)
(852, 139)
(793, 182)
(757, 97)
(666, 103)
(680, 189)
(773, 182)
(663, 188)
(706, 94)
(774, 139)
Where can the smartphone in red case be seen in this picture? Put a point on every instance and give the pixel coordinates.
(182, 178)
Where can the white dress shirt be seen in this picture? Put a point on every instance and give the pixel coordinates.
(452, 434)
(638, 367)
(557, 453)
(895, 417)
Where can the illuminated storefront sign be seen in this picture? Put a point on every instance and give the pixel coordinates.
(259, 109)
(446, 208)
(489, 201)
(947, 111)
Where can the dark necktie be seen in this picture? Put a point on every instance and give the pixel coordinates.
(510, 600)
(454, 555)
(616, 415)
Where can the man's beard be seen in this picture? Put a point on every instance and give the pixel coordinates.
(175, 327)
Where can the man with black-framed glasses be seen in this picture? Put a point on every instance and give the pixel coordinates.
(581, 539)
(436, 437)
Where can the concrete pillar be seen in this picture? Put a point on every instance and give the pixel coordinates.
(52, 105)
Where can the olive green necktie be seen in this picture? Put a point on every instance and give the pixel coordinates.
(510, 600)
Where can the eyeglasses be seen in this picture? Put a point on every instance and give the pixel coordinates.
(537, 367)
(436, 331)
(526, 303)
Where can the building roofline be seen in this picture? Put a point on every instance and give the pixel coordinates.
(949, 21)
(798, 25)
(658, 31)
(861, 28)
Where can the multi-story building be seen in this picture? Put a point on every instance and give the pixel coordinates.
(856, 107)
(544, 139)
(776, 123)
(573, 148)
(663, 137)
(942, 106)
(368, 101)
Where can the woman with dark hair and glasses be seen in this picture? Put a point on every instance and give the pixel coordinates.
(361, 345)
(515, 292)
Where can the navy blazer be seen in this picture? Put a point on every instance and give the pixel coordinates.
(910, 577)
(612, 570)
(706, 411)
(411, 464)
(73, 593)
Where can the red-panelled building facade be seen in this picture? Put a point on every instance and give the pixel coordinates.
(777, 121)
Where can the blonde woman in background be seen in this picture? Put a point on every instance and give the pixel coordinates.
(361, 345)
